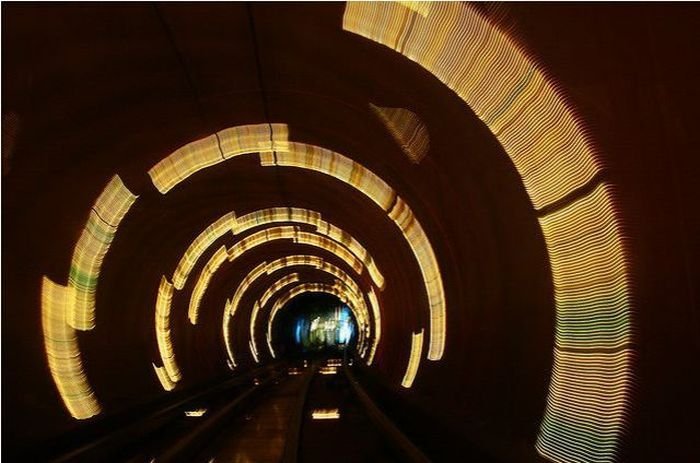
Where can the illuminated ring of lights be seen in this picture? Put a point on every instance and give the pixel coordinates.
(274, 148)
(66, 309)
(264, 236)
(592, 376)
(361, 312)
(216, 260)
(285, 263)
(236, 225)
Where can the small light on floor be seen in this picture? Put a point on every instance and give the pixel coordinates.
(196, 412)
(325, 414)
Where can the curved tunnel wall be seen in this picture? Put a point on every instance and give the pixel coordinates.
(474, 209)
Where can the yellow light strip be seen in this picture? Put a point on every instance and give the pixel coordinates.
(328, 370)
(422, 8)
(412, 230)
(584, 406)
(414, 360)
(276, 286)
(196, 413)
(165, 345)
(257, 272)
(377, 317)
(92, 246)
(274, 215)
(589, 268)
(228, 310)
(407, 129)
(497, 80)
(355, 248)
(232, 306)
(216, 260)
(214, 149)
(301, 237)
(63, 352)
(325, 414)
(342, 168)
(238, 225)
(253, 351)
(205, 239)
(589, 391)
(336, 165)
(551, 151)
(306, 216)
(165, 381)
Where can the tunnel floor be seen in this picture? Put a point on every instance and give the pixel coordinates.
(259, 432)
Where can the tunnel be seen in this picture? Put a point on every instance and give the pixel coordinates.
(498, 201)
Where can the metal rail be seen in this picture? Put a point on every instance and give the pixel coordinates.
(291, 445)
(397, 439)
(100, 448)
(187, 446)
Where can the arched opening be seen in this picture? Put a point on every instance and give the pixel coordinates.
(315, 325)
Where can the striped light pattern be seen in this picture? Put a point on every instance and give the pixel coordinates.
(303, 260)
(231, 361)
(253, 351)
(497, 80)
(592, 375)
(232, 306)
(336, 165)
(249, 279)
(413, 360)
(377, 317)
(306, 216)
(199, 246)
(274, 215)
(164, 378)
(276, 286)
(238, 225)
(165, 345)
(216, 260)
(297, 236)
(354, 174)
(214, 149)
(92, 246)
(196, 413)
(407, 130)
(402, 215)
(588, 394)
(422, 8)
(325, 414)
(63, 352)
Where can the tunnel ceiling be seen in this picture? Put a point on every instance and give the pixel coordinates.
(91, 92)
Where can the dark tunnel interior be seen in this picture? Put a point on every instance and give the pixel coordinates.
(314, 324)
(384, 231)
